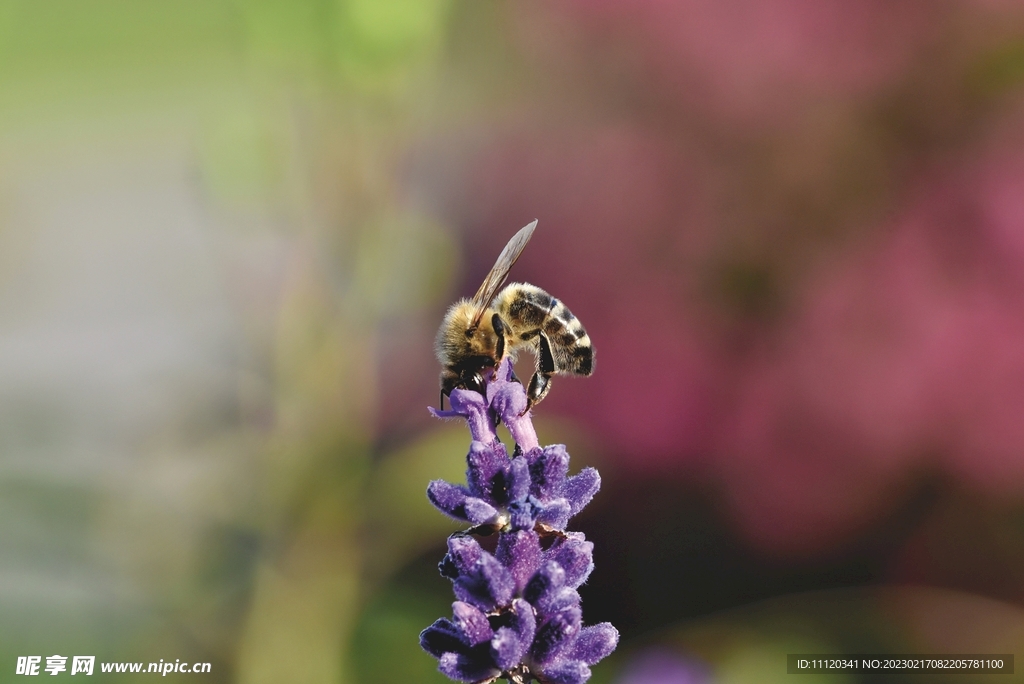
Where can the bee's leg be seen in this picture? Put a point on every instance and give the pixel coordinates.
(449, 381)
(540, 383)
(499, 330)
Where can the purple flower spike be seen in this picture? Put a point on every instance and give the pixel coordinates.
(518, 613)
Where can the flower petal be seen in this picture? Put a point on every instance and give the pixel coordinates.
(569, 672)
(440, 638)
(548, 579)
(581, 488)
(508, 398)
(479, 511)
(487, 474)
(594, 643)
(473, 407)
(472, 623)
(448, 498)
(532, 455)
(488, 586)
(576, 556)
(519, 479)
(519, 551)
(525, 622)
(464, 552)
(522, 515)
(507, 649)
(475, 666)
(548, 471)
(556, 634)
(455, 501)
(557, 600)
(555, 512)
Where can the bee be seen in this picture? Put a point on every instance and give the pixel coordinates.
(476, 334)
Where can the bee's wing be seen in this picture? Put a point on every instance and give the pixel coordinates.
(496, 278)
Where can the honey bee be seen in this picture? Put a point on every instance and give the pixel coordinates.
(476, 334)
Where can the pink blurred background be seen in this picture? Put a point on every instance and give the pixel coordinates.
(793, 230)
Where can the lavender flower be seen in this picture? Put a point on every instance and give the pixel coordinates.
(518, 613)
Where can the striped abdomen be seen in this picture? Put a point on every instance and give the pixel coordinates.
(529, 311)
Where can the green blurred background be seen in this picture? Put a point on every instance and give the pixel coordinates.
(229, 229)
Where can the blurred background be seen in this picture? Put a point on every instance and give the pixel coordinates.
(229, 229)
